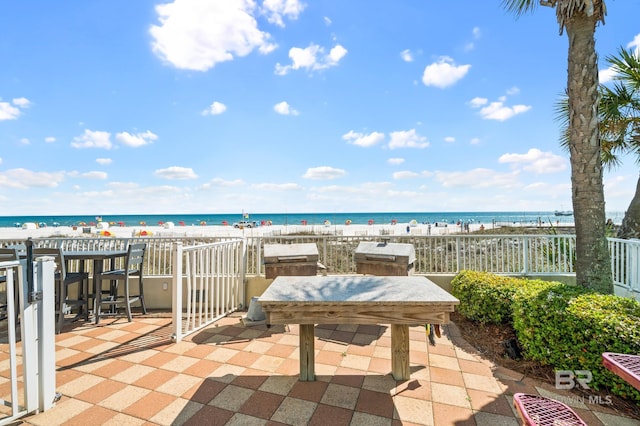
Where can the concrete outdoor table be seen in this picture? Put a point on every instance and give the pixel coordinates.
(355, 299)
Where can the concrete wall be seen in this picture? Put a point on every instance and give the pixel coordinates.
(158, 290)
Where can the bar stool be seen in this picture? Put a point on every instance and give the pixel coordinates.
(64, 279)
(133, 268)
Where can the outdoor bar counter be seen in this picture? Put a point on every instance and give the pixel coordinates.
(400, 301)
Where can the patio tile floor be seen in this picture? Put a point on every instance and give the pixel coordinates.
(226, 374)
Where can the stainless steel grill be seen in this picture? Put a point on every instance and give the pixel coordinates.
(382, 258)
(290, 259)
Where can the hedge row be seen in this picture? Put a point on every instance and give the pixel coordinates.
(564, 326)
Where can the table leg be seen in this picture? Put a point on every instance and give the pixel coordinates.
(307, 353)
(400, 352)
(98, 265)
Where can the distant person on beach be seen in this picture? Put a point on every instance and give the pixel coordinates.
(408, 229)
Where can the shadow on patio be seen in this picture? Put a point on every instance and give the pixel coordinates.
(131, 373)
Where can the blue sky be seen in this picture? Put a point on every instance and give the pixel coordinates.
(222, 106)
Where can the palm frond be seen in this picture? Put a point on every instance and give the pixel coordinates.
(520, 7)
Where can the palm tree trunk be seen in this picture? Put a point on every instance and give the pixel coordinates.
(593, 269)
(630, 227)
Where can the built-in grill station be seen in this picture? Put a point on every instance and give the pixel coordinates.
(290, 259)
(384, 258)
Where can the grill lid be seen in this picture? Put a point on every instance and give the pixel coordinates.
(385, 252)
(279, 253)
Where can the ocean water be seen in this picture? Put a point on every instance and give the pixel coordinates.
(501, 218)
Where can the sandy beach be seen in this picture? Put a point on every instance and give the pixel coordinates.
(171, 230)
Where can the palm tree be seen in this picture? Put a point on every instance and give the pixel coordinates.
(579, 18)
(620, 125)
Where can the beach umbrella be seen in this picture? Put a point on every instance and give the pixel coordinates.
(144, 233)
(393, 221)
(225, 223)
(347, 222)
(160, 223)
(181, 223)
(370, 221)
(143, 223)
(327, 223)
(106, 233)
(121, 223)
(304, 222)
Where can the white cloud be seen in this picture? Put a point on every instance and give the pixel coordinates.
(449, 139)
(311, 58)
(198, 34)
(91, 139)
(361, 139)
(478, 102)
(25, 141)
(21, 102)
(536, 161)
(221, 183)
(407, 139)
(405, 174)
(8, 111)
(406, 55)
(137, 140)
(276, 9)
(49, 139)
(327, 21)
(104, 161)
(444, 73)
(23, 178)
(324, 173)
(215, 108)
(277, 186)
(176, 173)
(635, 43)
(476, 32)
(395, 161)
(284, 108)
(608, 74)
(513, 91)
(94, 175)
(497, 110)
(475, 141)
(478, 178)
(11, 111)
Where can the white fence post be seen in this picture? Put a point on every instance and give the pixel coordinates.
(44, 299)
(176, 300)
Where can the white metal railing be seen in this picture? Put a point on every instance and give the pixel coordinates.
(440, 254)
(33, 349)
(435, 254)
(208, 283)
(625, 263)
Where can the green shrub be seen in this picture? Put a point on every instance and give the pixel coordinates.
(569, 328)
(484, 297)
